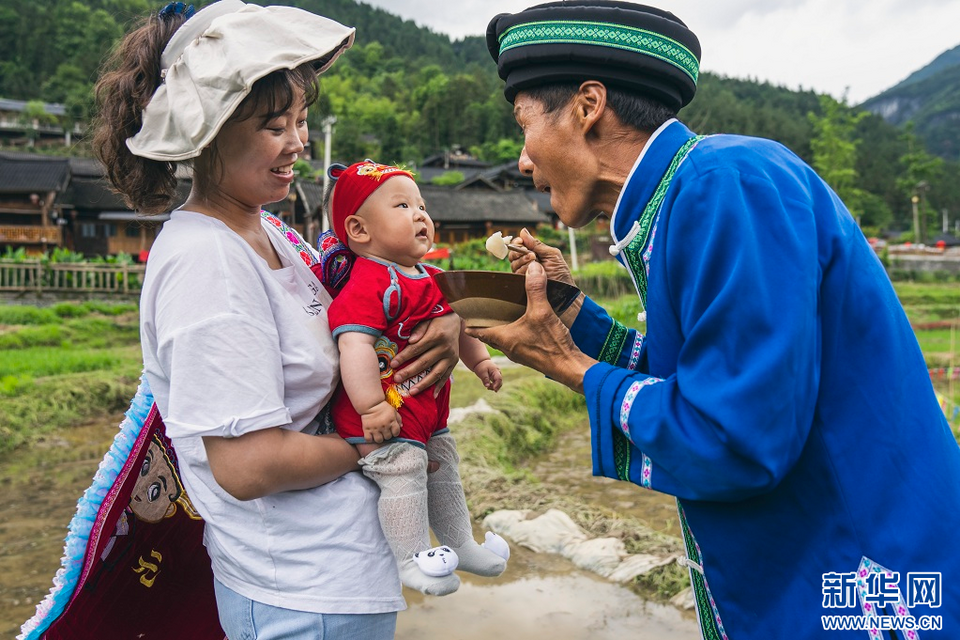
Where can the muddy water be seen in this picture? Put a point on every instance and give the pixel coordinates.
(547, 596)
(540, 595)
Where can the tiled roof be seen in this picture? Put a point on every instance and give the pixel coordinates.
(28, 172)
(96, 194)
(475, 205)
(312, 194)
(542, 200)
(92, 193)
(454, 162)
(88, 167)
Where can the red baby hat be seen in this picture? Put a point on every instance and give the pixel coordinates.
(353, 186)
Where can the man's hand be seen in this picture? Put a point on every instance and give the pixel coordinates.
(550, 257)
(539, 339)
(380, 423)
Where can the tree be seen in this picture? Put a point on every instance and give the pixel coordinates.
(448, 179)
(834, 148)
(499, 152)
(920, 170)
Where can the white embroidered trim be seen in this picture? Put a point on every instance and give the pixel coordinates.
(635, 353)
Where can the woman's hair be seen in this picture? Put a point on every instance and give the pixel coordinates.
(124, 91)
(121, 94)
(633, 110)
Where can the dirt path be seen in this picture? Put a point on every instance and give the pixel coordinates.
(41, 486)
(541, 595)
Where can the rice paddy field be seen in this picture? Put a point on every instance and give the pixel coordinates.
(67, 373)
(72, 362)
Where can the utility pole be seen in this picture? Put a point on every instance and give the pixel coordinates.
(573, 249)
(915, 200)
(919, 229)
(328, 123)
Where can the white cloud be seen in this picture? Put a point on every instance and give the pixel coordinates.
(863, 46)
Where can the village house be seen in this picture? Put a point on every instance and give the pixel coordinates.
(464, 214)
(451, 160)
(31, 124)
(48, 202)
(30, 185)
(99, 223)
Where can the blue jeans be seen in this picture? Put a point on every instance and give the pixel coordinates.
(246, 619)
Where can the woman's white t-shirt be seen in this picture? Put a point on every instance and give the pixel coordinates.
(231, 346)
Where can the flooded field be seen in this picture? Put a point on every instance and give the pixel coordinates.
(540, 595)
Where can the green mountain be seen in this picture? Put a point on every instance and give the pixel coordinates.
(404, 93)
(402, 38)
(945, 60)
(930, 99)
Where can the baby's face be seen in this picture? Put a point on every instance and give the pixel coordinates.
(398, 223)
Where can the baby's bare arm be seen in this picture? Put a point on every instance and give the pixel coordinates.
(475, 355)
(361, 381)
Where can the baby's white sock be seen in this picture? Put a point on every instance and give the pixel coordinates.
(400, 470)
(449, 517)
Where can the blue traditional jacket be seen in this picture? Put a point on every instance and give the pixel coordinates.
(779, 393)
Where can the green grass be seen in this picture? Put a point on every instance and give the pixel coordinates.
(53, 361)
(16, 315)
(33, 336)
(467, 388)
(911, 293)
(624, 310)
(40, 407)
(71, 345)
(534, 410)
(63, 365)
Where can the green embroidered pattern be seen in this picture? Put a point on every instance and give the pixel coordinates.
(613, 345)
(621, 455)
(616, 338)
(705, 610)
(633, 253)
(603, 34)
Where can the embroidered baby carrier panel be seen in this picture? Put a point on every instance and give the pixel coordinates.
(122, 557)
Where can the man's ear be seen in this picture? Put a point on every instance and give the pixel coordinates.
(356, 229)
(590, 104)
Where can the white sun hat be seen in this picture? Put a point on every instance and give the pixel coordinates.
(211, 62)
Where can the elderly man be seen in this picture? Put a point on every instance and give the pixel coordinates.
(779, 392)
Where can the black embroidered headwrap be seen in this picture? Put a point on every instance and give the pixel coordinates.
(635, 47)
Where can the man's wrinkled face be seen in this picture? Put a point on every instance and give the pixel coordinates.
(554, 150)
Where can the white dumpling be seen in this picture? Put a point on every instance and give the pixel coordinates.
(497, 245)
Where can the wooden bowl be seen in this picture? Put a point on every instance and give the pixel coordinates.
(492, 298)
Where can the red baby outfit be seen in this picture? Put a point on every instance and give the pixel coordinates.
(381, 300)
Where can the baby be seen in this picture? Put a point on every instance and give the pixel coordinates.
(378, 212)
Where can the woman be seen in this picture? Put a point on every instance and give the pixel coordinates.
(233, 323)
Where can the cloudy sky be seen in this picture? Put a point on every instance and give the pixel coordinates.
(860, 47)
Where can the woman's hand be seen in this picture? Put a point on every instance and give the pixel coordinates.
(550, 257)
(539, 339)
(434, 346)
